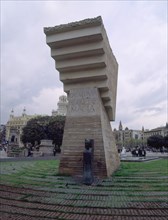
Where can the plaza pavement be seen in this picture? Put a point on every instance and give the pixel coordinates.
(65, 198)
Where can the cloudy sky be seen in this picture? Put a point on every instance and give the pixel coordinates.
(137, 31)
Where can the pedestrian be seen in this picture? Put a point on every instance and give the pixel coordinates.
(54, 151)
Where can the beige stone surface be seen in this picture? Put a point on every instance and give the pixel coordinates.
(83, 57)
(87, 119)
(46, 147)
(89, 71)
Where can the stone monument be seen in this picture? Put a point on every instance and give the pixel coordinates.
(46, 147)
(88, 70)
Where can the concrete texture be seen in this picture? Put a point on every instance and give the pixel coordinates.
(86, 119)
(3, 154)
(88, 70)
(84, 58)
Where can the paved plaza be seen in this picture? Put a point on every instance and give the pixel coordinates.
(32, 189)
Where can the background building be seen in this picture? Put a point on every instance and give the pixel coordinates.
(14, 127)
(16, 124)
(2, 134)
(62, 106)
(128, 137)
(163, 131)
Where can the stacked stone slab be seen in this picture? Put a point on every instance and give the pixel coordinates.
(88, 70)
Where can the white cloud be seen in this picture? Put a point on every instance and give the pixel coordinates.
(41, 104)
(137, 32)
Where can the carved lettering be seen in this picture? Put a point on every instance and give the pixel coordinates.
(83, 101)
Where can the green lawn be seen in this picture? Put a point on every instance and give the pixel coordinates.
(131, 176)
(28, 172)
(133, 182)
(158, 167)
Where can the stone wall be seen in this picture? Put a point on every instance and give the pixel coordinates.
(87, 119)
(46, 147)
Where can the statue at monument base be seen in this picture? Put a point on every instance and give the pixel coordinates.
(88, 162)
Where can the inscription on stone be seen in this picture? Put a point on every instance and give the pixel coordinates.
(83, 102)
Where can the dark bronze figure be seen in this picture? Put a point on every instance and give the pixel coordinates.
(88, 162)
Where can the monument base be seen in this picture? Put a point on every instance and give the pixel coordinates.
(46, 147)
(87, 119)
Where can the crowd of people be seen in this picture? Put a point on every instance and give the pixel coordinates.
(138, 152)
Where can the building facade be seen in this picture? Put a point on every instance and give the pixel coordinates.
(127, 137)
(61, 106)
(15, 126)
(163, 131)
(2, 134)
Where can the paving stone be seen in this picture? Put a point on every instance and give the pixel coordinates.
(116, 198)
